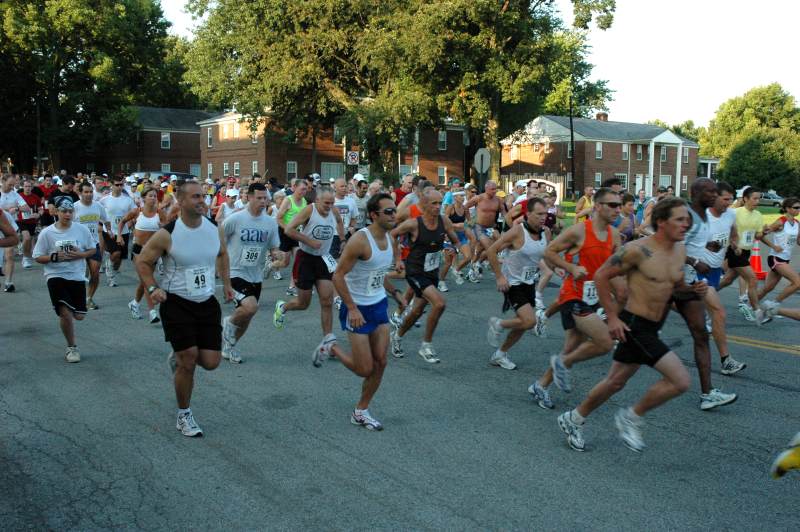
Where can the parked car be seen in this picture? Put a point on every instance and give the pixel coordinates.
(769, 199)
(159, 173)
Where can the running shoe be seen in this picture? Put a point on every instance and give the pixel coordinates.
(228, 331)
(91, 305)
(540, 329)
(731, 366)
(337, 301)
(365, 419)
(494, 332)
(9, 287)
(760, 317)
(560, 373)
(188, 426)
(73, 355)
(133, 306)
(291, 291)
(502, 361)
(277, 275)
(716, 398)
(787, 460)
(27, 263)
(458, 276)
(267, 270)
(539, 304)
(770, 308)
(154, 316)
(278, 318)
(428, 353)
(397, 346)
(472, 276)
(746, 311)
(542, 395)
(172, 362)
(572, 430)
(233, 355)
(323, 350)
(629, 430)
(112, 280)
(442, 286)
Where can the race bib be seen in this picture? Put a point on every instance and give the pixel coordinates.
(330, 262)
(748, 238)
(92, 227)
(589, 293)
(529, 274)
(66, 245)
(689, 274)
(722, 238)
(198, 280)
(116, 222)
(375, 282)
(27, 215)
(431, 261)
(250, 255)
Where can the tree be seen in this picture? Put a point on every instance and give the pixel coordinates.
(685, 129)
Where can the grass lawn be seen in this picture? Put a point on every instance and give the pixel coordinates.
(770, 213)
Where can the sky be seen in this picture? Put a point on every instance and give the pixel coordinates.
(674, 60)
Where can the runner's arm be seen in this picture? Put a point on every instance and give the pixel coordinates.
(301, 218)
(474, 201)
(339, 223)
(507, 239)
(403, 209)
(157, 246)
(10, 237)
(352, 252)
(561, 244)
(451, 232)
(223, 270)
(625, 259)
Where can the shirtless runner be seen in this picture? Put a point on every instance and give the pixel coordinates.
(488, 205)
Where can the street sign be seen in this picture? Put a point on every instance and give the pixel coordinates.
(352, 158)
(482, 160)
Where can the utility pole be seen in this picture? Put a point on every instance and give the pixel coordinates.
(38, 140)
(572, 145)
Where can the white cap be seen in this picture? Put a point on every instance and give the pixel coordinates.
(131, 179)
(358, 177)
(522, 183)
(332, 179)
(164, 184)
(209, 181)
(231, 192)
(173, 177)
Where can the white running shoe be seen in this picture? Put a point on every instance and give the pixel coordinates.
(112, 280)
(572, 430)
(233, 355)
(501, 361)
(629, 430)
(746, 311)
(494, 332)
(396, 343)
(540, 329)
(731, 366)
(770, 308)
(73, 355)
(542, 395)
(428, 353)
(188, 426)
(323, 350)
(708, 323)
(365, 419)
(458, 276)
(716, 398)
(27, 263)
(154, 316)
(136, 312)
(442, 286)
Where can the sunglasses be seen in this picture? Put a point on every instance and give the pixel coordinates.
(795, 207)
(389, 211)
(611, 204)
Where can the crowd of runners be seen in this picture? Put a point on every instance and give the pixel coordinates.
(625, 263)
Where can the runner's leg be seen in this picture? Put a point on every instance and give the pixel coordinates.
(616, 379)
(675, 381)
(790, 275)
(438, 305)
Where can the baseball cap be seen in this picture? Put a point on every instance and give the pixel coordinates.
(164, 184)
(232, 192)
(209, 182)
(173, 177)
(522, 183)
(358, 178)
(468, 185)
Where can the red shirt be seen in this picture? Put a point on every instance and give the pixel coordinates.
(46, 191)
(34, 202)
(399, 194)
(593, 253)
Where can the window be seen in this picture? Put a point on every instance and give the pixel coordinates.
(166, 168)
(664, 180)
(535, 146)
(663, 154)
(165, 141)
(684, 183)
(405, 169)
(441, 171)
(330, 171)
(638, 152)
(209, 170)
(569, 150)
(624, 179)
(685, 156)
(236, 130)
(194, 169)
(210, 138)
(442, 139)
(337, 135)
(226, 169)
(598, 150)
(569, 180)
(236, 168)
(254, 137)
(625, 148)
(291, 170)
(254, 168)
(598, 178)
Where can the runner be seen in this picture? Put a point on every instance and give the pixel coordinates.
(427, 234)
(193, 254)
(784, 235)
(92, 215)
(63, 249)
(690, 305)
(652, 267)
(488, 206)
(721, 230)
(457, 214)
(516, 279)
(229, 207)
(249, 235)
(314, 266)
(45, 190)
(361, 198)
(749, 226)
(117, 205)
(586, 246)
(405, 188)
(585, 205)
(27, 220)
(361, 281)
(148, 220)
(12, 203)
(290, 207)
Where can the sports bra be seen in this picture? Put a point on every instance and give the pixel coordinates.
(150, 224)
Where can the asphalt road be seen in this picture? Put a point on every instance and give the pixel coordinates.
(94, 446)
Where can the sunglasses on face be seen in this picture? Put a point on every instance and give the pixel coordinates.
(611, 204)
(389, 211)
(795, 207)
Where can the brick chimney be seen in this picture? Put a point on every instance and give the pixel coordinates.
(601, 116)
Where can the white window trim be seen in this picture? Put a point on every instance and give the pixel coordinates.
(639, 151)
(291, 169)
(684, 182)
(236, 129)
(441, 173)
(166, 167)
(663, 155)
(598, 179)
(254, 138)
(254, 168)
(598, 150)
(236, 168)
(625, 151)
(226, 169)
(664, 180)
(209, 170)
(168, 136)
(442, 140)
(685, 155)
(624, 178)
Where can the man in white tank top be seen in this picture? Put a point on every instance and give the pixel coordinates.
(517, 279)
(193, 254)
(314, 265)
(362, 284)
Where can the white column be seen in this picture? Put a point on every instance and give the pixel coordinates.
(651, 153)
(678, 165)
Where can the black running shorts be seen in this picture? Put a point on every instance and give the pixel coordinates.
(190, 324)
(642, 344)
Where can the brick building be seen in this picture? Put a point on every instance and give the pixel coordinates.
(166, 141)
(603, 150)
(229, 148)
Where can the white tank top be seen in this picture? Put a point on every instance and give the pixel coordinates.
(521, 265)
(227, 211)
(321, 229)
(365, 280)
(147, 223)
(785, 238)
(190, 264)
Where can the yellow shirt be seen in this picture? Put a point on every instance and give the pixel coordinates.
(588, 204)
(748, 224)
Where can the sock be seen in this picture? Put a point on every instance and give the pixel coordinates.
(361, 411)
(723, 358)
(500, 353)
(184, 411)
(539, 295)
(633, 415)
(577, 418)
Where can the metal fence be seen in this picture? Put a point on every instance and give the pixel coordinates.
(561, 183)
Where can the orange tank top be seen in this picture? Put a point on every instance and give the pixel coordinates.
(593, 253)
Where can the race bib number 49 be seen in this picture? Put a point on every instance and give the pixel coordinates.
(198, 280)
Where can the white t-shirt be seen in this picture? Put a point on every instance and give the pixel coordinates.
(11, 220)
(11, 199)
(348, 208)
(249, 239)
(719, 230)
(52, 239)
(116, 209)
(90, 216)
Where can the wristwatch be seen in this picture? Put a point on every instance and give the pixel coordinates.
(152, 288)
